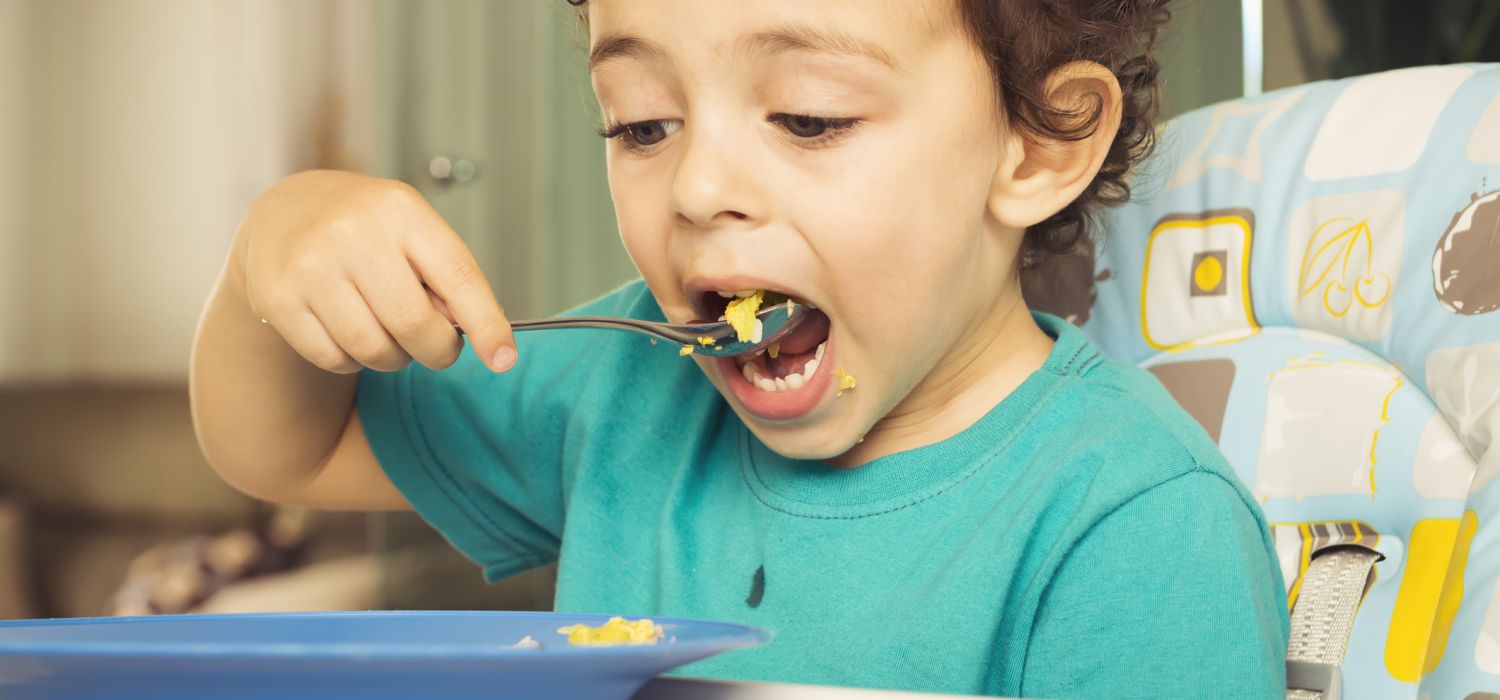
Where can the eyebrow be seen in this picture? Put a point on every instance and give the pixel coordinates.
(805, 38)
(771, 42)
(617, 46)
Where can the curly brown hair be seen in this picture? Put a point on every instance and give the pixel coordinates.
(1024, 41)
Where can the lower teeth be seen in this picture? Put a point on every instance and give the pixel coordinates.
(790, 382)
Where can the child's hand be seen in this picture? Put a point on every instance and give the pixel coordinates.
(355, 271)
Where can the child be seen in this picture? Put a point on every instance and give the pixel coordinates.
(925, 487)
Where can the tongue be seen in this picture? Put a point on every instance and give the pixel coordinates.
(805, 337)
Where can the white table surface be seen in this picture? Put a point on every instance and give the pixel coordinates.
(666, 688)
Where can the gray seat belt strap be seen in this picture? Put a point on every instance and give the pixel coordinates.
(1323, 618)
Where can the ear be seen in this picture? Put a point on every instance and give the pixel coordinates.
(1037, 177)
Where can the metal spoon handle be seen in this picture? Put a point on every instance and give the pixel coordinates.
(715, 339)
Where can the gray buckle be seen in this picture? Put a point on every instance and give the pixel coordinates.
(1324, 679)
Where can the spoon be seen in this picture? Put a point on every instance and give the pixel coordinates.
(717, 339)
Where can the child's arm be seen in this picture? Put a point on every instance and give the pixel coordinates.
(348, 272)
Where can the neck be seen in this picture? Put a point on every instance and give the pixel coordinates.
(991, 359)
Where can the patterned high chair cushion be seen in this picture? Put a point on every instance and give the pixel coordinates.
(1315, 274)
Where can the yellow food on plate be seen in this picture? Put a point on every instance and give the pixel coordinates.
(685, 350)
(846, 380)
(741, 315)
(617, 631)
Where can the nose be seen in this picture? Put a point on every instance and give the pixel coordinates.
(712, 185)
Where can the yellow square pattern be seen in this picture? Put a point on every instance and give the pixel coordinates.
(1196, 285)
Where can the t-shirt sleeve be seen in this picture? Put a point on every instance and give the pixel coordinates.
(1173, 594)
(482, 456)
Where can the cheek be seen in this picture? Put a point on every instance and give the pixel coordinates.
(900, 230)
(644, 221)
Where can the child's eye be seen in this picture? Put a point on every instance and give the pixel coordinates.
(639, 135)
(815, 130)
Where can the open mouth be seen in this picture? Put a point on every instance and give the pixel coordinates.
(786, 379)
(788, 364)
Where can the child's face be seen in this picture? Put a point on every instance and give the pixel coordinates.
(841, 152)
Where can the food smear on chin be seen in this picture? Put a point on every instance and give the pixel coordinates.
(846, 380)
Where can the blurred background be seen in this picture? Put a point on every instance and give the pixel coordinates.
(134, 134)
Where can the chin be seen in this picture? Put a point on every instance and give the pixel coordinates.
(820, 440)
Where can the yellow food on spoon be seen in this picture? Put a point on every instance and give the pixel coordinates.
(685, 350)
(705, 340)
(846, 380)
(741, 315)
(617, 631)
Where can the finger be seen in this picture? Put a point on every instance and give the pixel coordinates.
(351, 324)
(439, 304)
(302, 330)
(447, 266)
(401, 304)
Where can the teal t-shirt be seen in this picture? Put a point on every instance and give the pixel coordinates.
(1083, 539)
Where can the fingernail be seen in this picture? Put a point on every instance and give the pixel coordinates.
(504, 358)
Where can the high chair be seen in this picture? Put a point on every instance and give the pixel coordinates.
(1314, 274)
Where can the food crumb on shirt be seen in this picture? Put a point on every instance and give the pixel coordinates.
(616, 631)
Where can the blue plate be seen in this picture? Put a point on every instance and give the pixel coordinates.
(327, 656)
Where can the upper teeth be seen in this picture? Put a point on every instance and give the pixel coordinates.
(747, 292)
